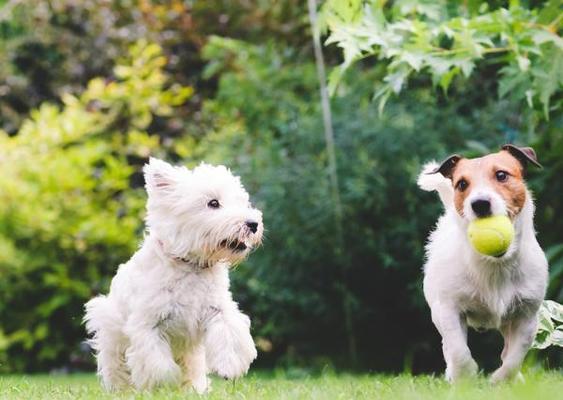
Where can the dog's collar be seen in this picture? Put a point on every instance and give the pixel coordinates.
(183, 260)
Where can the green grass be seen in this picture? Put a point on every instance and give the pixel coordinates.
(539, 385)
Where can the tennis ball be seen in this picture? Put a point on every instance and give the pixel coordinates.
(491, 235)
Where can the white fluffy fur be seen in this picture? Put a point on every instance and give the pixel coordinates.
(169, 316)
(464, 288)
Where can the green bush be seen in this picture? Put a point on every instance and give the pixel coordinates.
(51, 47)
(518, 44)
(70, 184)
(68, 213)
(512, 50)
(308, 298)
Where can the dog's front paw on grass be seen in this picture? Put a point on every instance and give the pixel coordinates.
(156, 374)
(233, 368)
(504, 374)
(229, 346)
(465, 369)
(234, 362)
(201, 385)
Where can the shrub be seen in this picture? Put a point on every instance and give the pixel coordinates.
(311, 296)
(68, 214)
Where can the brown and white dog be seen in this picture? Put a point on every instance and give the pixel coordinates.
(464, 288)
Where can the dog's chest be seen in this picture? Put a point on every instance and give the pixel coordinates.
(486, 306)
(480, 316)
(186, 300)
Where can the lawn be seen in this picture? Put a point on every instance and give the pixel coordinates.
(539, 385)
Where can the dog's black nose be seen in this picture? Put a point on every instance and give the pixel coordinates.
(481, 207)
(253, 226)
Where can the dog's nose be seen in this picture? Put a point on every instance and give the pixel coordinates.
(482, 207)
(252, 225)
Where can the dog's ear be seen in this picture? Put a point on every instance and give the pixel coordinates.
(159, 176)
(446, 168)
(525, 155)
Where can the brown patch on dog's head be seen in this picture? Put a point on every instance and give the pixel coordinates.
(503, 172)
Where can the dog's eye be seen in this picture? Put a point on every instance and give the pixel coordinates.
(461, 185)
(213, 204)
(501, 176)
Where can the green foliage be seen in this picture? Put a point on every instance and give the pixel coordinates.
(450, 39)
(267, 126)
(51, 47)
(515, 51)
(68, 215)
(70, 197)
(550, 329)
(548, 186)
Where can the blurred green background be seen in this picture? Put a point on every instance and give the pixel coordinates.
(90, 89)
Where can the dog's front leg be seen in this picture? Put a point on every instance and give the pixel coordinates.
(518, 336)
(228, 344)
(459, 362)
(149, 356)
(196, 369)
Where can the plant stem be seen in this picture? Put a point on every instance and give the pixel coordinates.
(333, 175)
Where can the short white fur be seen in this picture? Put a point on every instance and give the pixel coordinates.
(169, 317)
(464, 288)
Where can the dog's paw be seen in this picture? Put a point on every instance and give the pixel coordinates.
(232, 366)
(233, 362)
(466, 368)
(229, 347)
(504, 374)
(168, 374)
(114, 384)
(114, 387)
(155, 373)
(201, 385)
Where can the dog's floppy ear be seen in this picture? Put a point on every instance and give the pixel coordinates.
(447, 167)
(525, 155)
(159, 176)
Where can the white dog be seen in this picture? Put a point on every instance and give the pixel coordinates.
(169, 315)
(464, 288)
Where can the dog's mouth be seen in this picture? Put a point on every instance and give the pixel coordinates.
(234, 245)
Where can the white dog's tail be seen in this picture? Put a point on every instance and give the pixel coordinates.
(105, 323)
(429, 181)
(101, 315)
